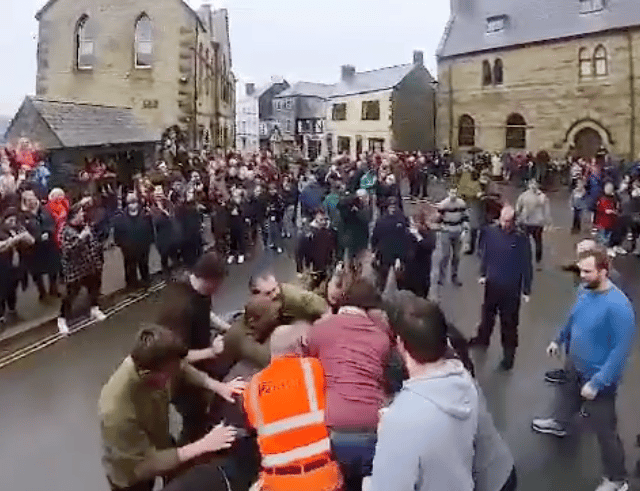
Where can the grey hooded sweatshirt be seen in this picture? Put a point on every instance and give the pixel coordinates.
(426, 438)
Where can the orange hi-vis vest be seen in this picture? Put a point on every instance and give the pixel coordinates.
(285, 403)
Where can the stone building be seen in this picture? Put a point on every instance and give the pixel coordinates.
(268, 125)
(386, 109)
(554, 75)
(168, 63)
(301, 114)
(247, 120)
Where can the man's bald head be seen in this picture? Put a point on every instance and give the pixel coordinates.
(586, 245)
(507, 217)
(289, 340)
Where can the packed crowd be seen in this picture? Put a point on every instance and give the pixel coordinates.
(352, 379)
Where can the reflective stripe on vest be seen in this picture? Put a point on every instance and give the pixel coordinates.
(284, 458)
(315, 416)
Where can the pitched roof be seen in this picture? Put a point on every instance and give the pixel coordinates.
(311, 89)
(88, 125)
(50, 3)
(529, 21)
(373, 81)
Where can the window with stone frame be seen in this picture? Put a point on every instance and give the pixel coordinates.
(84, 42)
(143, 42)
(516, 134)
(498, 72)
(591, 6)
(466, 131)
(600, 62)
(339, 112)
(586, 63)
(496, 23)
(344, 144)
(487, 77)
(370, 110)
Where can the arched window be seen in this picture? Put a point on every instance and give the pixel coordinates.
(600, 61)
(84, 44)
(516, 132)
(498, 72)
(143, 42)
(586, 63)
(486, 73)
(466, 131)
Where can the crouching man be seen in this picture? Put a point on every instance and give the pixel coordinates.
(285, 404)
(134, 414)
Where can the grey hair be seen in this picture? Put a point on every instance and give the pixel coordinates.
(289, 340)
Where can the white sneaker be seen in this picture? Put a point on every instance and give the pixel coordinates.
(279, 250)
(607, 485)
(230, 260)
(97, 314)
(63, 327)
(240, 259)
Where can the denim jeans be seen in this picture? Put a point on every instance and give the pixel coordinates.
(451, 243)
(354, 452)
(289, 221)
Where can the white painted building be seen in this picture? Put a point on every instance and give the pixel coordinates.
(247, 120)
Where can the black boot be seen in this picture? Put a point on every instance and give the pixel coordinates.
(507, 362)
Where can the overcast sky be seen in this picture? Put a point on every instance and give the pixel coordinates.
(300, 40)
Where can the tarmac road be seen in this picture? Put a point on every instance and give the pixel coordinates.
(49, 424)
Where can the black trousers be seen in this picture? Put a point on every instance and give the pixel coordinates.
(601, 418)
(134, 263)
(535, 231)
(204, 477)
(169, 256)
(512, 482)
(91, 283)
(236, 236)
(506, 302)
(8, 297)
(141, 486)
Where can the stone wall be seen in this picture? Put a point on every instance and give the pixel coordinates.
(543, 84)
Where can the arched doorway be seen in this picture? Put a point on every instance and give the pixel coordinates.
(587, 142)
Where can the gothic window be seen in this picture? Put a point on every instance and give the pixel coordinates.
(486, 73)
(586, 63)
(466, 131)
(84, 45)
(516, 132)
(143, 42)
(498, 72)
(600, 61)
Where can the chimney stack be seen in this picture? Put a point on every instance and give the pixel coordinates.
(348, 73)
(418, 58)
(277, 79)
(250, 88)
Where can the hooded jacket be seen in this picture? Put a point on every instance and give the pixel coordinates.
(426, 438)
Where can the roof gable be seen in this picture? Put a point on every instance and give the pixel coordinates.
(308, 89)
(529, 21)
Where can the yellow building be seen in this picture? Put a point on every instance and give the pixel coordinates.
(168, 63)
(554, 75)
(387, 109)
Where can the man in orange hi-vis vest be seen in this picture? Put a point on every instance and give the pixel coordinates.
(285, 404)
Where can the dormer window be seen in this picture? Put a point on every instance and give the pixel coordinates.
(496, 23)
(591, 6)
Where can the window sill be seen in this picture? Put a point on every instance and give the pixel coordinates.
(143, 68)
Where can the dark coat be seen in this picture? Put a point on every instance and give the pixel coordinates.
(166, 229)
(354, 232)
(190, 220)
(317, 250)
(43, 257)
(390, 238)
(80, 257)
(133, 234)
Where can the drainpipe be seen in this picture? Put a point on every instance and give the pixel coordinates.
(216, 98)
(195, 87)
(450, 76)
(632, 99)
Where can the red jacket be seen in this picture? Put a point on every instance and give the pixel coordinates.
(606, 213)
(59, 208)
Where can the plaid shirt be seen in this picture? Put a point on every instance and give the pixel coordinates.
(80, 257)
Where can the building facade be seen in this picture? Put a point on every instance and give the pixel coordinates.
(566, 82)
(268, 124)
(171, 65)
(387, 109)
(247, 121)
(300, 112)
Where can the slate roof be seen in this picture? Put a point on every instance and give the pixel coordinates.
(374, 80)
(89, 125)
(529, 21)
(311, 89)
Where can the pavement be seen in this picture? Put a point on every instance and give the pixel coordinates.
(50, 425)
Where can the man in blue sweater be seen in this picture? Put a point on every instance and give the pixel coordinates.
(506, 272)
(600, 333)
